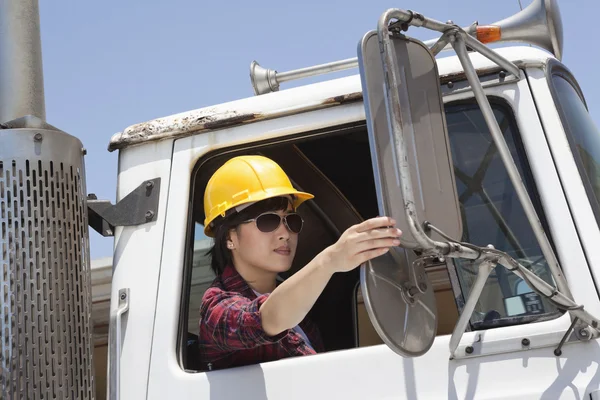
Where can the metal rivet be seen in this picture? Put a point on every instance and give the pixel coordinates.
(557, 352)
(38, 137)
(502, 74)
(525, 342)
(469, 349)
(149, 215)
(123, 296)
(149, 185)
(583, 332)
(450, 85)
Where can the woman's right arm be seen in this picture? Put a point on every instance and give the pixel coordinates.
(289, 303)
(234, 322)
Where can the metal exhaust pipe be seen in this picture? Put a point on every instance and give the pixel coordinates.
(21, 74)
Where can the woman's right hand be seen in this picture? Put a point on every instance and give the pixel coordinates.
(362, 242)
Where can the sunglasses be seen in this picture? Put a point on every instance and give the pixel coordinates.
(270, 221)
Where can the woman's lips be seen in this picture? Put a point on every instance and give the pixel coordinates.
(284, 251)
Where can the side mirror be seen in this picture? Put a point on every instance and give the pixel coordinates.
(414, 181)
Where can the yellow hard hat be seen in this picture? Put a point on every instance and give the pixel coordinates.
(246, 179)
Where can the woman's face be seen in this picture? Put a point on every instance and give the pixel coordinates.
(267, 251)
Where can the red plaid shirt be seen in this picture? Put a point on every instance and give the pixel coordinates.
(231, 332)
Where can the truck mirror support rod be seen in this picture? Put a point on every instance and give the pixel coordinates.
(138, 207)
(459, 41)
(488, 257)
(484, 269)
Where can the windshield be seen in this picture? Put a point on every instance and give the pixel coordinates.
(583, 136)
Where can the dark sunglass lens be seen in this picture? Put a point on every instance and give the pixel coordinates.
(268, 222)
(294, 222)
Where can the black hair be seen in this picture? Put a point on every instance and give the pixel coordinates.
(220, 255)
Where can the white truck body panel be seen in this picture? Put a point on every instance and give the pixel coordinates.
(149, 260)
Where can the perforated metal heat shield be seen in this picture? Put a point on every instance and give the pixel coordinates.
(45, 290)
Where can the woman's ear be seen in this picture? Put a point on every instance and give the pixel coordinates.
(231, 239)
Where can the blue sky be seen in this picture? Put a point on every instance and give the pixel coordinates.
(110, 64)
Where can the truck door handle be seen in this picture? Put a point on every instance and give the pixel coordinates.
(115, 345)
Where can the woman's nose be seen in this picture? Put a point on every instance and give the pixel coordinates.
(283, 232)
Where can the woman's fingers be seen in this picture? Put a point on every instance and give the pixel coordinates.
(375, 223)
(362, 242)
(376, 244)
(379, 233)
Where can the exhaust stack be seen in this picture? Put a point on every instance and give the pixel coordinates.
(46, 342)
(21, 75)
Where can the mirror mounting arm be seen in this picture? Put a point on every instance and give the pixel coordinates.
(442, 43)
(486, 52)
(459, 42)
(490, 257)
(486, 266)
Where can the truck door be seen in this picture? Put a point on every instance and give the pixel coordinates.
(511, 347)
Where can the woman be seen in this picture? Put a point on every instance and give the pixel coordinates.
(246, 317)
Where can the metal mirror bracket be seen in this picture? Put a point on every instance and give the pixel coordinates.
(484, 269)
(489, 257)
(138, 207)
(459, 41)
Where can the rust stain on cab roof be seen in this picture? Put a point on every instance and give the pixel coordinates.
(169, 127)
(202, 120)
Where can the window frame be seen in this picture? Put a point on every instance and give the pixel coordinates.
(522, 96)
(232, 151)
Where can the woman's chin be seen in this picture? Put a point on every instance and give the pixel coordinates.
(277, 267)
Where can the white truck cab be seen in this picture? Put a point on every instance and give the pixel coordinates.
(318, 134)
(502, 259)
